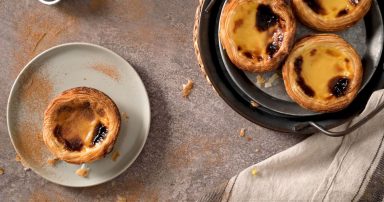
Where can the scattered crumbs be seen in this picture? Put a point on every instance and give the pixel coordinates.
(121, 199)
(254, 104)
(52, 162)
(242, 132)
(271, 80)
(82, 171)
(125, 115)
(254, 171)
(115, 155)
(249, 138)
(1, 171)
(260, 81)
(19, 159)
(187, 88)
(108, 70)
(267, 85)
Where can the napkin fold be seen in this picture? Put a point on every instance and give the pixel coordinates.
(320, 168)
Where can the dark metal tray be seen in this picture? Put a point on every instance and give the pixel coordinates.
(269, 115)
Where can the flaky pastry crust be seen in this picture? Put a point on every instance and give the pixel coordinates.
(62, 125)
(345, 18)
(331, 103)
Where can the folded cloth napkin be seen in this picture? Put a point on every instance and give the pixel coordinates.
(321, 168)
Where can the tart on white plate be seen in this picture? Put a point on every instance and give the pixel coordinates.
(81, 125)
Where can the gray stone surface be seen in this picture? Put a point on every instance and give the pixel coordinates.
(193, 144)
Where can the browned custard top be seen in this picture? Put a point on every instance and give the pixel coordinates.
(255, 30)
(323, 72)
(80, 125)
(331, 9)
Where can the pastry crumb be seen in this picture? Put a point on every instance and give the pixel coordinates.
(267, 85)
(271, 80)
(125, 115)
(19, 159)
(121, 199)
(85, 79)
(254, 171)
(52, 162)
(260, 81)
(242, 132)
(254, 104)
(82, 172)
(187, 88)
(115, 155)
(249, 138)
(1, 171)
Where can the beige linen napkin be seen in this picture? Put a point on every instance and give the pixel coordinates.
(320, 168)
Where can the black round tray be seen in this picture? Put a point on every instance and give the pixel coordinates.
(235, 97)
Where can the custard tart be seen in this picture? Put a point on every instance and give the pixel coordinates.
(330, 15)
(323, 73)
(81, 125)
(257, 34)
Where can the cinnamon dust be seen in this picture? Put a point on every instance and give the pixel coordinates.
(35, 96)
(37, 31)
(52, 162)
(107, 70)
(115, 155)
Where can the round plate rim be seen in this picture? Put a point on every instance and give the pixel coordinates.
(147, 103)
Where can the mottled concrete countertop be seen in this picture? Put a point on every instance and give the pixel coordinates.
(193, 144)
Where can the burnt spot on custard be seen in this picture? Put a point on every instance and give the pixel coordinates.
(332, 53)
(248, 54)
(87, 111)
(272, 48)
(74, 144)
(298, 67)
(315, 6)
(100, 133)
(342, 13)
(313, 52)
(238, 24)
(338, 86)
(265, 18)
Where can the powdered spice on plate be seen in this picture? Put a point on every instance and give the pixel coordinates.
(33, 98)
(107, 70)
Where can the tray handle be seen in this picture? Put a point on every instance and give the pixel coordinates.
(320, 128)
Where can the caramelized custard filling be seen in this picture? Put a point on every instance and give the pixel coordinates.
(332, 8)
(79, 125)
(255, 30)
(323, 72)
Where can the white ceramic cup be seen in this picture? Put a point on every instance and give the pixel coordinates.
(49, 2)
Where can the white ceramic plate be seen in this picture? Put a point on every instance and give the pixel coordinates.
(64, 67)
